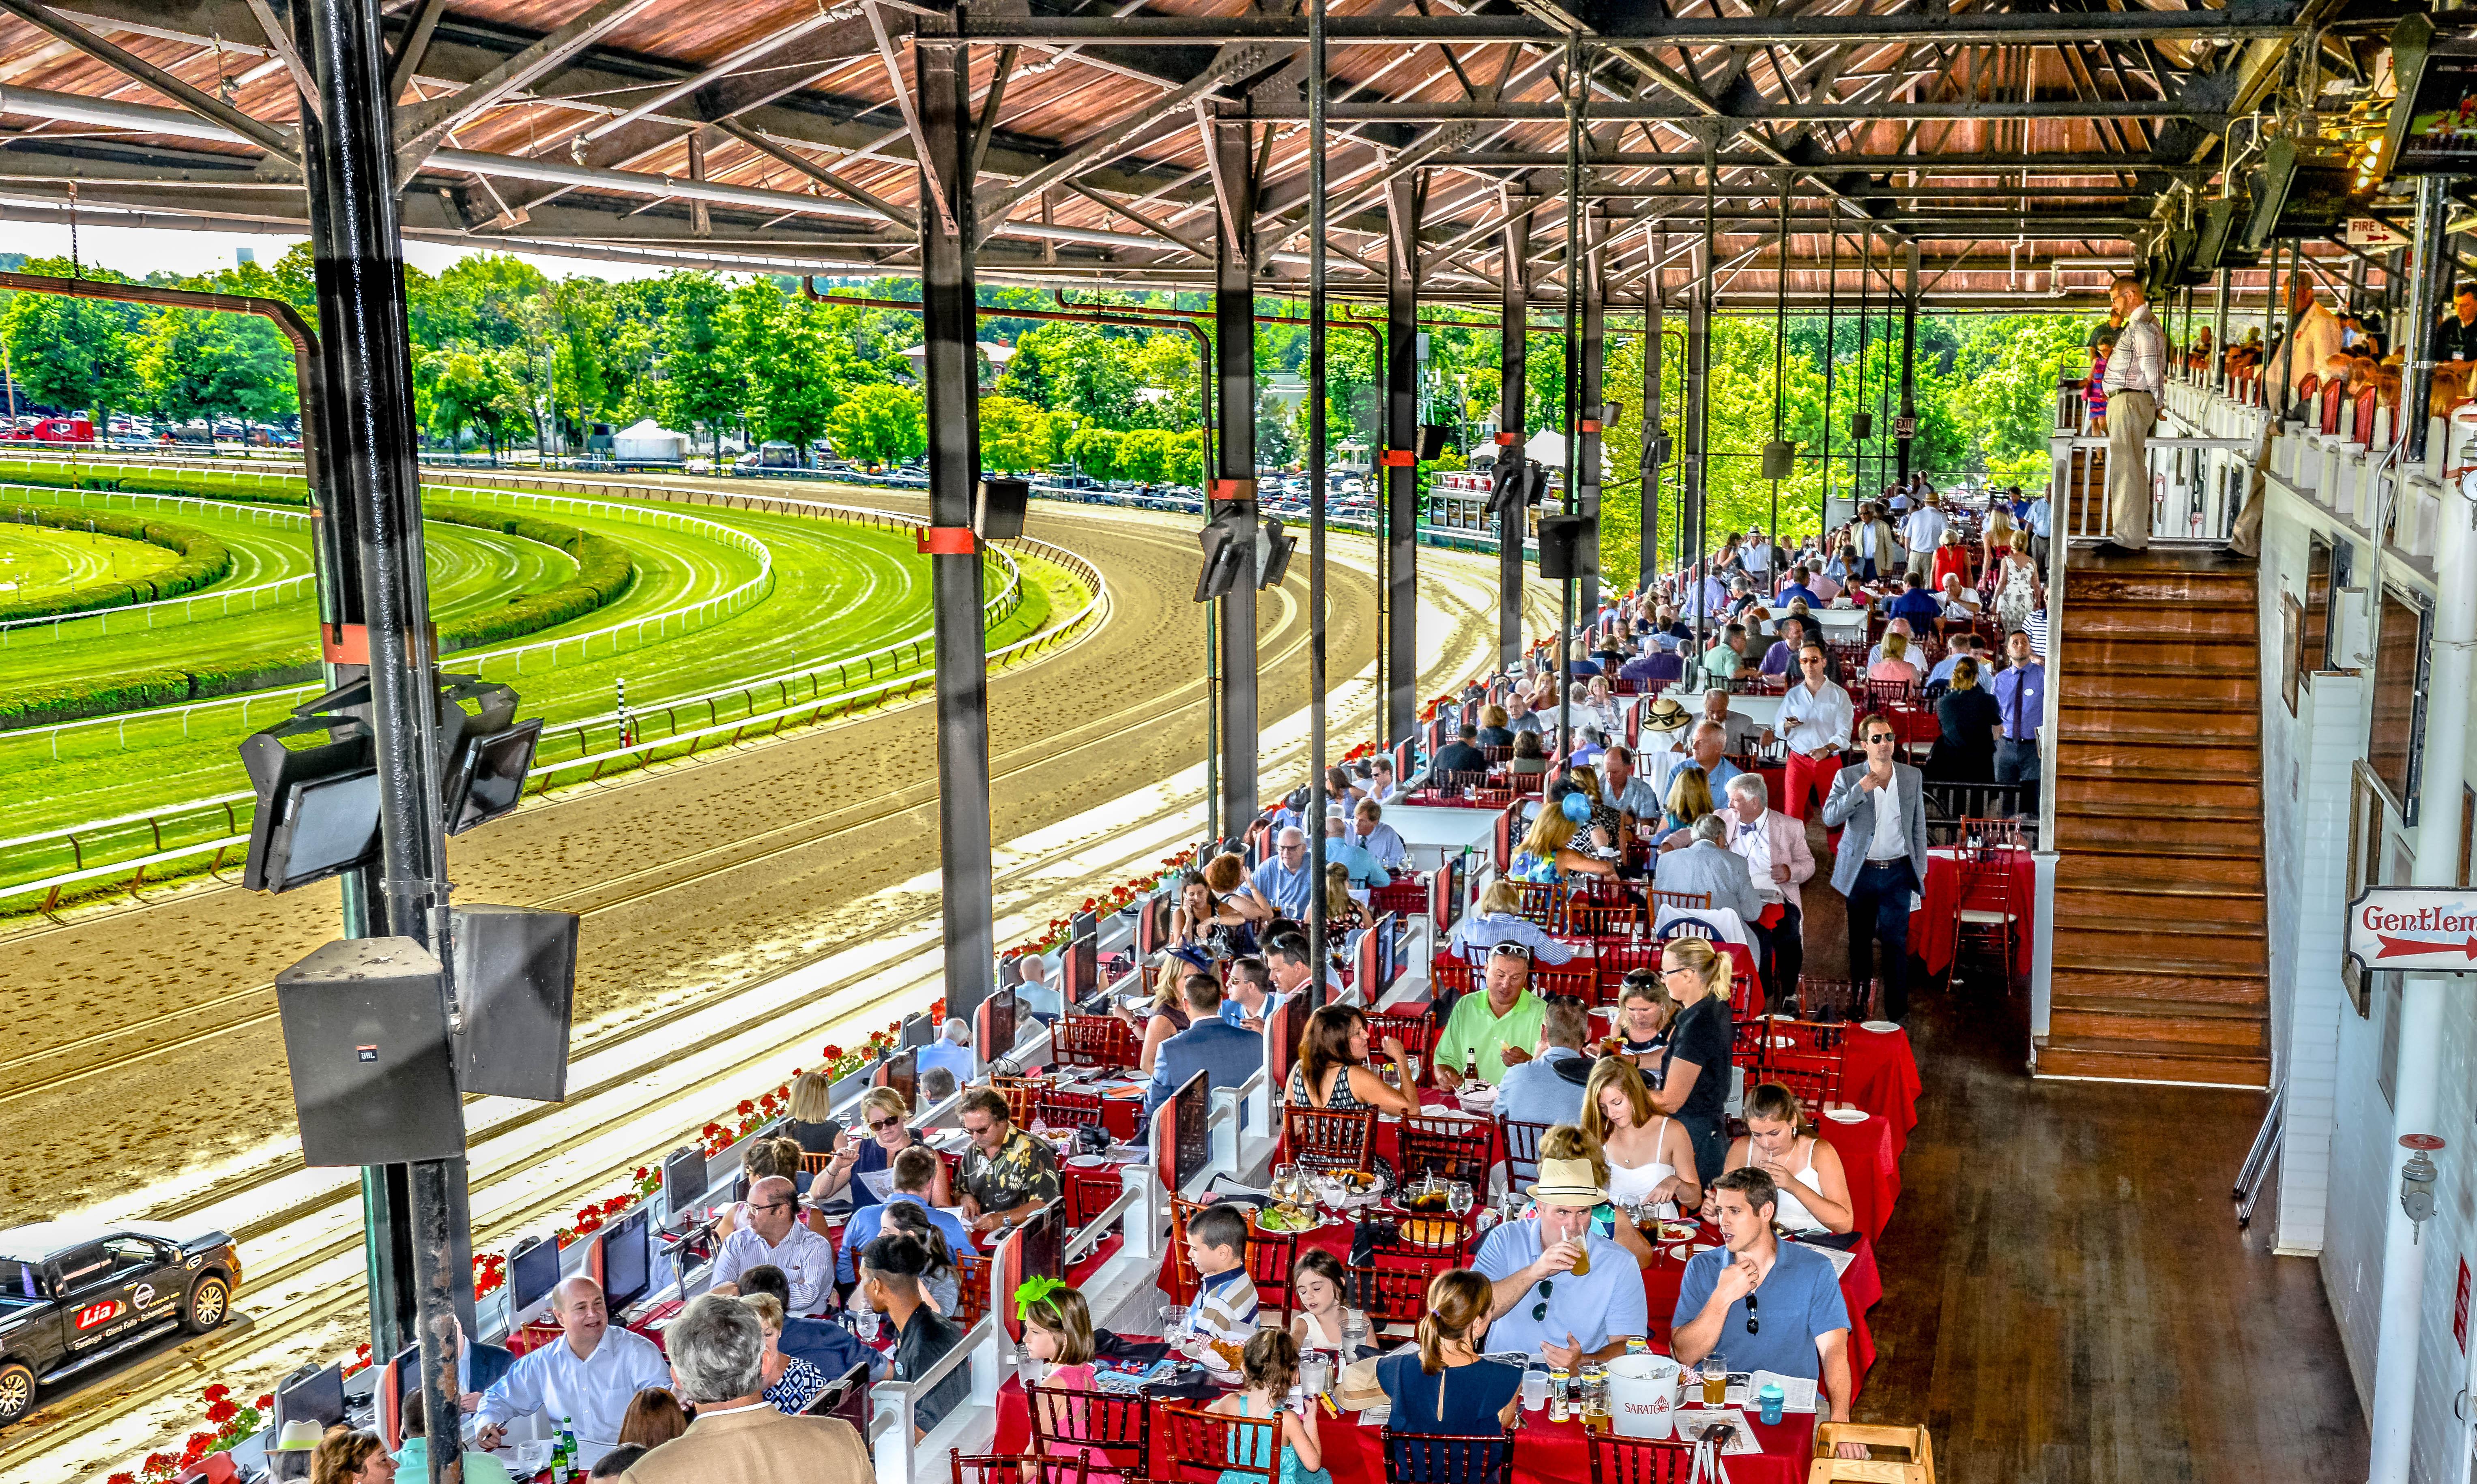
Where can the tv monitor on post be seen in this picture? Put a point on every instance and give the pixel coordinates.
(319, 1396)
(1194, 1147)
(1079, 969)
(1388, 932)
(919, 1029)
(683, 1179)
(533, 1272)
(903, 1075)
(1045, 1243)
(628, 1259)
(997, 1023)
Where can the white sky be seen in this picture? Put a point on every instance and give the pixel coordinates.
(140, 251)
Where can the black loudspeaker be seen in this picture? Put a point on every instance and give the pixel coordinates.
(997, 514)
(373, 1072)
(1779, 458)
(1224, 557)
(1569, 547)
(1861, 425)
(516, 981)
(1433, 438)
(1274, 563)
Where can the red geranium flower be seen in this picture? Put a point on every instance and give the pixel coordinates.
(216, 1393)
(222, 1410)
(746, 1107)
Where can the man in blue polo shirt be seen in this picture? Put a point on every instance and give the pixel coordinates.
(1761, 1304)
(1544, 1305)
(1915, 604)
(1797, 588)
(1283, 881)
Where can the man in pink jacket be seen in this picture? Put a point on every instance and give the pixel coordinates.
(1778, 859)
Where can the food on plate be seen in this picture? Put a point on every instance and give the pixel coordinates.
(1676, 1231)
(1283, 1219)
(1429, 1233)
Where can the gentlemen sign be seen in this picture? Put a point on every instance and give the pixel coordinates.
(2423, 930)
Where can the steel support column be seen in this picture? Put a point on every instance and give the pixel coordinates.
(367, 463)
(1908, 350)
(1647, 558)
(2217, 377)
(1403, 199)
(949, 328)
(1234, 485)
(1595, 370)
(1512, 428)
(2429, 272)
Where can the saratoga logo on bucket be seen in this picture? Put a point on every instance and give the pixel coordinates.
(1642, 1396)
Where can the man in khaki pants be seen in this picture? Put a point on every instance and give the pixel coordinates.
(2136, 378)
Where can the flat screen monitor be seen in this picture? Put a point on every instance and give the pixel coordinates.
(327, 826)
(2434, 122)
(1045, 1243)
(1388, 953)
(997, 1028)
(1194, 1149)
(903, 1074)
(683, 1179)
(628, 1258)
(487, 777)
(919, 1031)
(319, 1396)
(533, 1272)
(1079, 969)
(847, 1398)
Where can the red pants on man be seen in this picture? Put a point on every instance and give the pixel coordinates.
(1807, 777)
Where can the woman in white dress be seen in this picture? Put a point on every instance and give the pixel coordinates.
(2017, 595)
(1814, 1187)
(1650, 1159)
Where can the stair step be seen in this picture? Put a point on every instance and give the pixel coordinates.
(2160, 873)
(2157, 723)
(2151, 911)
(2174, 816)
(2231, 587)
(2153, 1061)
(2246, 1034)
(2085, 652)
(2191, 760)
(2134, 781)
(2222, 623)
(2231, 840)
(2122, 980)
(2126, 922)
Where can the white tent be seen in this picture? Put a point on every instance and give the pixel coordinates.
(649, 441)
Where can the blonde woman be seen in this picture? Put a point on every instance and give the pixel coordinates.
(1694, 1078)
(1549, 849)
(887, 1121)
(1597, 707)
(1690, 798)
(1495, 726)
(2017, 591)
(1896, 665)
(1650, 1160)
(1498, 919)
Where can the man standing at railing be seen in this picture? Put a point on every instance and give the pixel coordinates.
(2136, 379)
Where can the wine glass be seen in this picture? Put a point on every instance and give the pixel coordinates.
(1458, 1198)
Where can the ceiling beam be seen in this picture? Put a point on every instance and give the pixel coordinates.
(266, 136)
(1440, 110)
(422, 128)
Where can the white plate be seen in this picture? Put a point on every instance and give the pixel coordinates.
(1880, 1027)
(1087, 1162)
(1847, 1114)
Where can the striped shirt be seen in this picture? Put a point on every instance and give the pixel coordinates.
(2139, 361)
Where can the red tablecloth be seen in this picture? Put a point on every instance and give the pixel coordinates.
(1878, 1072)
(1545, 1452)
(1933, 930)
(1873, 1167)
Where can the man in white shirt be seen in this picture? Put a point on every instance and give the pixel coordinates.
(1757, 555)
(1959, 605)
(1778, 860)
(587, 1378)
(2136, 372)
(774, 1235)
(1815, 717)
(1922, 531)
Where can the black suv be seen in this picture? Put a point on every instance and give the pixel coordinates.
(73, 1295)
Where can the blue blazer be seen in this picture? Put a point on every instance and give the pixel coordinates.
(1227, 1056)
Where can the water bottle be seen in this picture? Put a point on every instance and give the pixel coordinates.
(1771, 1399)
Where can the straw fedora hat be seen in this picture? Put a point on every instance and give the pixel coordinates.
(1566, 1182)
(1665, 714)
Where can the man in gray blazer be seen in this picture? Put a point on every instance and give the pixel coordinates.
(1708, 865)
(1880, 809)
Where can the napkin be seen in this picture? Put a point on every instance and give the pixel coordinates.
(1797, 1391)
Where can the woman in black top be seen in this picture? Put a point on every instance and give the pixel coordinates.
(1494, 726)
(1694, 1081)
(1441, 1385)
(1969, 720)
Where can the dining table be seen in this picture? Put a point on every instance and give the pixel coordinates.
(1879, 1073)
(1545, 1452)
(1935, 928)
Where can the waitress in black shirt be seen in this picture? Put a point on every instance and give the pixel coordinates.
(1694, 1084)
(2454, 338)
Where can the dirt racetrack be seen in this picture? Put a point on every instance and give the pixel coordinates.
(146, 1070)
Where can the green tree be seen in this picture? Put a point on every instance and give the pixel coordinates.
(1095, 452)
(879, 424)
(1015, 436)
(72, 354)
(1074, 368)
(201, 364)
(703, 384)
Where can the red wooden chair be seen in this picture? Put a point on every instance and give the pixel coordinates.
(1830, 1000)
(1019, 1468)
(1447, 972)
(1437, 1458)
(1389, 1295)
(1217, 1448)
(1085, 1429)
(1451, 1148)
(2360, 417)
(1182, 1268)
(1521, 1151)
(1814, 1085)
(1619, 1460)
(1578, 980)
(972, 1289)
(1406, 898)
(1417, 1034)
(1986, 917)
(1455, 781)
(2333, 394)
(1681, 901)
(1328, 1138)
(2310, 385)
(1614, 962)
(1089, 1193)
(1094, 1041)
(1021, 1093)
(1270, 1257)
(1536, 901)
(1598, 915)
(1062, 1109)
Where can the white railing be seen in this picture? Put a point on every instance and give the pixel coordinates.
(2197, 485)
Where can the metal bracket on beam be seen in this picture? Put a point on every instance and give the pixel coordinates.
(1234, 489)
(947, 540)
(1398, 459)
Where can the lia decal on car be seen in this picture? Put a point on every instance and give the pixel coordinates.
(94, 1313)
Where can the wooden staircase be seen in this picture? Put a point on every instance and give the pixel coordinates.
(2161, 959)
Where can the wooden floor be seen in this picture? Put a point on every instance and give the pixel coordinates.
(2066, 1296)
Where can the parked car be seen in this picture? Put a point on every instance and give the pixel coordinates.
(74, 1295)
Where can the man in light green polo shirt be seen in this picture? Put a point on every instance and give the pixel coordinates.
(1502, 1025)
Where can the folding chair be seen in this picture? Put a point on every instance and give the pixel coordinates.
(1451, 1148)
(1084, 1428)
(1217, 1448)
(1328, 1138)
(1094, 1041)
(1437, 1458)
(1417, 1034)
(1617, 1460)
(1389, 1295)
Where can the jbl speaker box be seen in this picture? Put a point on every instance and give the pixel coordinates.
(515, 979)
(373, 1074)
(1569, 547)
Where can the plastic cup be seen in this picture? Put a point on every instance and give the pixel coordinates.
(1535, 1388)
(1715, 1381)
